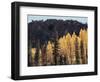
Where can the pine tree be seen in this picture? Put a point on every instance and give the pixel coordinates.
(44, 55)
(40, 58)
(30, 63)
(55, 52)
(36, 58)
(56, 56)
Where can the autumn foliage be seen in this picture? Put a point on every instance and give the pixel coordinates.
(66, 50)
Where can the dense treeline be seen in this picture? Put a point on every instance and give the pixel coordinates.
(57, 42)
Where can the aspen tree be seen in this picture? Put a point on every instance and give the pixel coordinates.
(49, 51)
(83, 35)
(68, 48)
(33, 51)
(73, 55)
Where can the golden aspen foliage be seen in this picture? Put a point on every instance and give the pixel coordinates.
(79, 50)
(33, 51)
(49, 52)
(84, 44)
(73, 55)
(68, 48)
(72, 47)
(62, 46)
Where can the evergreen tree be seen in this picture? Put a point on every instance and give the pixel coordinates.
(44, 55)
(36, 58)
(55, 52)
(30, 63)
(56, 49)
